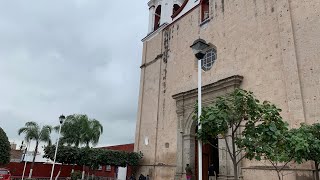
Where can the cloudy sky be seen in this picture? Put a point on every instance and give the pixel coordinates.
(71, 56)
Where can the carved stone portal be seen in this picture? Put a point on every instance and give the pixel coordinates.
(185, 102)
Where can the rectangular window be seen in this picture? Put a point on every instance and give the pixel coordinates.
(204, 10)
(108, 168)
(99, 168)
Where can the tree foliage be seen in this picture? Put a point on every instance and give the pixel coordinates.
(65, 155)
(224, 118)
(4, 148)
(79, 129)
(240, 108)
(306, 139)
(268, 139)
(92, 157)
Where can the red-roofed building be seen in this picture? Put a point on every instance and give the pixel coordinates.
(110, 171)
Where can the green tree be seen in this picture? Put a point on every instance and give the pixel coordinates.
(79, 129)
(65, 155)
(4, 148)
(71, 130)
(269, 139)
(92, 157)
(306, 141)
(33, 132)
(224, 118)
(314, 143)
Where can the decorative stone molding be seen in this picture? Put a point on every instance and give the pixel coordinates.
(183, 99)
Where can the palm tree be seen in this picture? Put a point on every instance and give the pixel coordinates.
(71, 132)
(33, 132)
(79, 129)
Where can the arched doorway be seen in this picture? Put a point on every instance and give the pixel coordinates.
(186, 130)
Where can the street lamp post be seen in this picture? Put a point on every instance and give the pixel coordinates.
(199, 46)
(61, 118)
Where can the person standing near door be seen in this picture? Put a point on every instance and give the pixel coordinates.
(212, 172)
(188, 172)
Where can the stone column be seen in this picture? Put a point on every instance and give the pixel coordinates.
(166, 13)
(189, 145)
(179, 170)
(151, 18)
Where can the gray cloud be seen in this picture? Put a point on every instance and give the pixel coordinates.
(75, 56)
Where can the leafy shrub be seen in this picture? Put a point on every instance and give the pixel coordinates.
(4, 148)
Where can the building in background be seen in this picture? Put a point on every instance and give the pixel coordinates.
(113, 171)
(15, 154)
(268, 47)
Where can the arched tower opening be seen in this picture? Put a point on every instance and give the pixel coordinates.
(157, 17)
(176, 7)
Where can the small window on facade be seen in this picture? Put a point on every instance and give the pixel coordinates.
(176, 7)
(99, 168)
(157, 16)
(108, 168)
(204, 10)
(209, 59)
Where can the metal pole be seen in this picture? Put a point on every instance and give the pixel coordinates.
(25, 162)
(199, 126)
(55, 153)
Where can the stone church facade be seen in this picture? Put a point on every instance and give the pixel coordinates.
(270, 47)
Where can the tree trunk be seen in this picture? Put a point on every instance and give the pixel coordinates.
(316, 164)
(88, 174)
(236, 175)
(82, 173)
(278, 173)
(34, 159)
(72, 171)
(234, 156)
(59, 172)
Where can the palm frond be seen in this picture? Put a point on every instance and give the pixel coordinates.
(78, 130)
(31, 132)
(45, 133)
(31, 124)
(22, 130)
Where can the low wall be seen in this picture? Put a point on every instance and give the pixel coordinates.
(40, 170)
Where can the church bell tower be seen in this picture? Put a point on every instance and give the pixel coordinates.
(160, 12)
